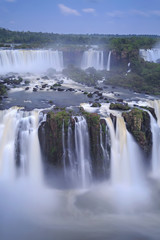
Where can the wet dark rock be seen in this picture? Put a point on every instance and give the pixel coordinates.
(101, 97)
(57, 85)
(96, 92)
(70, 89)
(90, 95)
(99, 88)
(34, 89)
(93, 120)
(50, 136)
(27, 88)
(119, 100)
(119, 106)
(138, 124)
(96, 104)
(45, 78)
(60, 89)
(44, 85)
(114, 120)
(151, 110)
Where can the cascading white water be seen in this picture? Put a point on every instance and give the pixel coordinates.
(126, 169)
(93, 58)
(155, 161)
(82, 151)
(64, 148)
(155, 128)
(156, 105)
(35, 61)
(68, 213)
(19, 144)
(104, 149)
(150, 55)
(109, 61)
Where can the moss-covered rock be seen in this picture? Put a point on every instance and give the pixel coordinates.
(90, 95)
(3, 89)
(138, 123)
(50, 136)
(151, 110)
(96, 104)
(119, 106)
(95, 124)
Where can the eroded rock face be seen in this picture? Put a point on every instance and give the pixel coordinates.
(50, 136)
(138, 124)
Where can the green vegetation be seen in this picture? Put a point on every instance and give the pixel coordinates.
(144, 76)
(138, 123)
(89, 77)
(2, 90)
(93, 119)
(59, 117)
(39, 39)
(96, 104)
(119, 106)
(131, 44)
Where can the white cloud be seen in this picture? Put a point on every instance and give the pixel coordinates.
(140, 13)
(115, 14)
(133, 12)
(156, 13)
(68, 11)
(88, 10)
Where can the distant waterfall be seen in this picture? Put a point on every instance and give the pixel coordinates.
(109, 61)
(150, 55)
(93, 58)
(35, 61)
(19, 144)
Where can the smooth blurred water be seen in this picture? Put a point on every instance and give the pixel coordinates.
(34, 61)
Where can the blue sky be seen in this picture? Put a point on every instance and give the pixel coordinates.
(82, 16)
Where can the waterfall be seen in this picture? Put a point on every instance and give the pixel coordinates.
(64, 148)
(19, 144)
(104, 146)
(109, 61)
(82, 151)
(35, 61)
(150, 55)
(93, 58)
(126, 168)
(155, 128)
(71, 154)
(155, 161)
(156, 105)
